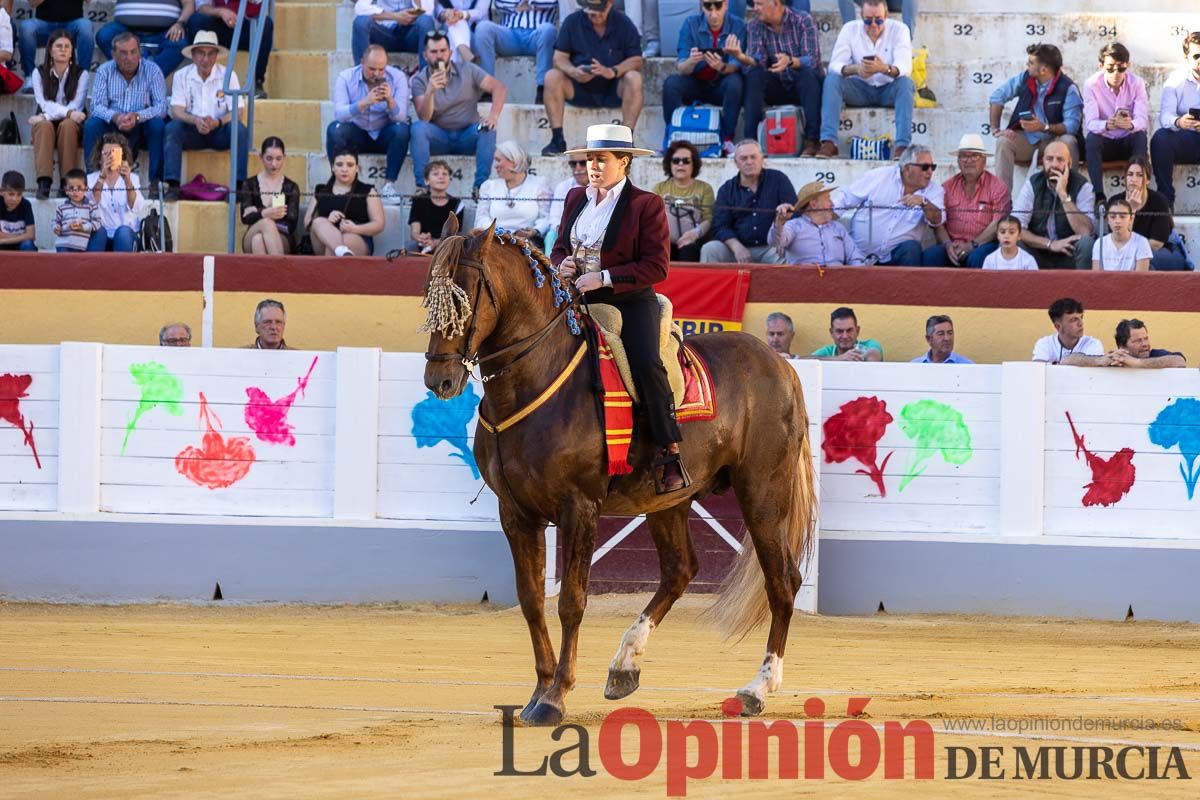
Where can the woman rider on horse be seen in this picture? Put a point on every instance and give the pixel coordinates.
(627, 228)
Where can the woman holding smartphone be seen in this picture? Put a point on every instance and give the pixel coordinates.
(116, 189)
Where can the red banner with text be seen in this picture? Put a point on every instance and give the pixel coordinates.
(707, 300)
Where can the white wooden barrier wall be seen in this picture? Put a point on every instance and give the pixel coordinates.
(971, 451)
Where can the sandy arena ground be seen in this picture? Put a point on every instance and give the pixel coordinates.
(394, 702)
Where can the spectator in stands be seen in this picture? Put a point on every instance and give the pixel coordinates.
(160, 25)
(782, 61)
(907, 9)
(745, 209)
(705, 70)
(446, 98)
(201, 112)
(270, 204)
(902, 202)
(18, 231)
(975, 200)
(50, 16)
(129, 96)
(1152, 217)
(1010, 256)
(579, 177)
(60, 89)
(10, 82)
(809, 232)
(939, 334)
(1068, 344)
(429, 212)
(1116, 114)
(370, 109)
(77, 217)
(526, 28)
(689, 201)
(844, 330)
(1177, 140)
(597, 64)
(871, 65)
(1049, 109)
(1055, 209)
(175, 334)
(116, 189)
(515, 200)
(220, 17)
(345, 214)
(1121, 250)
(401, 26)
(1134, 350)
(270, 320)
(458, 17)
(780, 332)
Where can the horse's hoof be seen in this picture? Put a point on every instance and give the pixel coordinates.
(621, 683)
(751, 705)
(543, 714)
(528, 709)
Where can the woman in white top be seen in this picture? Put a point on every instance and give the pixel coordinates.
(115, 187)
(1122, 250)
(517, 202)
(60, 89)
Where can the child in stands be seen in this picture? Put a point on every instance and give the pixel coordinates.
(1009, 256)
(78, 217)
(17, 229)
(1122, 249)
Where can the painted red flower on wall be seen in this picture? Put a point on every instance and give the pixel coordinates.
(854, 433)
(1112, 478)
(218, 463)
(12, 389)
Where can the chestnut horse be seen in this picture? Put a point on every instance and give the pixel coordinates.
(497, 303)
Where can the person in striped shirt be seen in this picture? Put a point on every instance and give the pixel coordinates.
(527, 28)
(161, 26)
(77, 217)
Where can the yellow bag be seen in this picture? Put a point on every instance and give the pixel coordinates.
(925, 97)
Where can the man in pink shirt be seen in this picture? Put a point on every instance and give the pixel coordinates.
(976, 200)
(1116, 114)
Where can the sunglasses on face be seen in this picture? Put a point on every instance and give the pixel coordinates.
(876, 21)
(580, 163)
(1116, 68)
(713, 6)
(925, 167)
(681, 160)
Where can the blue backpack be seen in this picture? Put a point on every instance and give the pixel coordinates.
(700, 125)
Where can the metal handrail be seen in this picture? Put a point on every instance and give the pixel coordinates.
(247, 88)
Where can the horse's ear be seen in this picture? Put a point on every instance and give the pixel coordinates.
(451, 227)
(485, 242)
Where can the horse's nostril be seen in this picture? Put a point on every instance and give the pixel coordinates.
(446, 387)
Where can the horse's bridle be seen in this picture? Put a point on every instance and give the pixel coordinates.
(469, 357)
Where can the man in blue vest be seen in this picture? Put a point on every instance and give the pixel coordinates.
(706, 70)
(1055, 208)
(1049, 108)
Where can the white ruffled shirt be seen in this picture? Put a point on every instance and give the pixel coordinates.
(530, 205)
(592, 222)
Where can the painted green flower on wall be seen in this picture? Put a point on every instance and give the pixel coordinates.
(934, 428)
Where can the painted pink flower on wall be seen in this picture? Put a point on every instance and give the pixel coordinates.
(268, 418)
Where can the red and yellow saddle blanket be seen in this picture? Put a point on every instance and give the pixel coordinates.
(699, 402)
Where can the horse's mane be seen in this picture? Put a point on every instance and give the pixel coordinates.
(448, 304)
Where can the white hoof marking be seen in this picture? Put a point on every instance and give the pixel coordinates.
(633, 644)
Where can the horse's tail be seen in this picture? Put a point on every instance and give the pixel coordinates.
(742, 604)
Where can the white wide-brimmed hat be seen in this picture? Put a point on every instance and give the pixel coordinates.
(971, 143)
(205, 39)
(617, 138)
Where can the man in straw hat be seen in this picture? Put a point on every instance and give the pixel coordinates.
(976, 201)
(808, 232)
(201, 113)
(613, 242)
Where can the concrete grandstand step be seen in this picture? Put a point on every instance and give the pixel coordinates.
(294, 74)
(308, 25)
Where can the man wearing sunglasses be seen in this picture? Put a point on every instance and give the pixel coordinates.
(871, 65)
(1116, 113)
(1177, 140)
(1049, 108)
(890, 208)
(707, 69)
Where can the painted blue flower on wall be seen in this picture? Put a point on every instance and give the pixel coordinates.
(446, 421)
(1178, 425)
